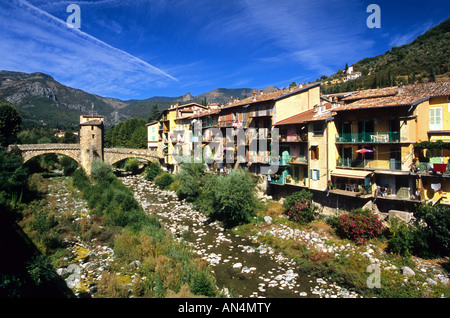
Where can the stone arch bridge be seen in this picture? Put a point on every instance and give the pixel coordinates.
(110, 155)
(90, 147)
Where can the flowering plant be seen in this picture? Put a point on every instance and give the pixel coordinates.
(359, 225)
(303, 211)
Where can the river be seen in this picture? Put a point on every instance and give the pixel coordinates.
(241, 266)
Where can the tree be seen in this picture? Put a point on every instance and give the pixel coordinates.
(69, 138)
(230, 199)
(154, 113)
(10, 122)
(190, 178)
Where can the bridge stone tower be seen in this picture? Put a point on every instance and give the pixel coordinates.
(91, 140)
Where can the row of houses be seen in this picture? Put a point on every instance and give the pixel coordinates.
(378, 143)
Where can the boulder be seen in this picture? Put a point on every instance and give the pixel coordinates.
(268, 219)
(408, 271)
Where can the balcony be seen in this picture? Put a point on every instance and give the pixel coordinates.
(370, 164)
(432, 169)
(260, 113)
(369, 137)
(294, 138)
(298, 160)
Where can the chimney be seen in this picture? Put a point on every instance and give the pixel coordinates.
(254, 96)
(400, 88)
(262, 92)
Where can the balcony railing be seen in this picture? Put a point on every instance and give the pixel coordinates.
(298, 159)
(372, 137)
(427, 168)
(260, 113)
(370, 164)
(294, 138)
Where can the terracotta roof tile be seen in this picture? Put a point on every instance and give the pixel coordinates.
(395, 96)
(269, 96)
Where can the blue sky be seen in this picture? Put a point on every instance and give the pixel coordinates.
(136, 49)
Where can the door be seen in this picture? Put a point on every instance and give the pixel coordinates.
(395, 160)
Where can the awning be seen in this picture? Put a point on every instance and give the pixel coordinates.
(442, 138)
(355, 174)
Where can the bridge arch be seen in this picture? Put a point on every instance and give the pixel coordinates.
(36, 154)
(114, 155)
(31, 151)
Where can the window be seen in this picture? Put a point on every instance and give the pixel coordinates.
(314, 152)
(436, 118)
(315, 174)
(318, 129)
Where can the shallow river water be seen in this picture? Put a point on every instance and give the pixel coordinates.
(247, 269)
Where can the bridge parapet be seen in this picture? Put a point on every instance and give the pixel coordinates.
(113, 155)
(50, 147)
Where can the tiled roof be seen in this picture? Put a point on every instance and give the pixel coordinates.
(395, 96)
(270, 96)
(297, 119)
(307, 116)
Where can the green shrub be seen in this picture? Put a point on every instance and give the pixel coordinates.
(40, 269)
(152, 170)
(202, 284)
(433, 237)
(69, 165)
(290, 200)
(102, 171)
(132, 165)
(164, 180)
(359, 225)
(190, 181)
(231, 198)
(80, 180)
(401, 237)
(303, 211)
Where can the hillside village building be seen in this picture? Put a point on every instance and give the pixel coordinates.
(371, 144)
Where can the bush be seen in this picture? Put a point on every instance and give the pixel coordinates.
(359, 225)
(303, 211)
(152, 170)
(231, 198)
(164, 180)
(132, 165)
(202, 284)
(190, 180)
(401, 237)
(290, 200)
(433, 230)
(102, 172)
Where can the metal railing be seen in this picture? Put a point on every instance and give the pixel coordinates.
(369, 163)
(372, 137)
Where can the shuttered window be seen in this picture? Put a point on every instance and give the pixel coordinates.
(436, 118)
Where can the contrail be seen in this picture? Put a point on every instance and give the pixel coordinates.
(84, 35)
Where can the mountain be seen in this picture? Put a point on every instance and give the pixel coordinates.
(425, 59)
(41, 100)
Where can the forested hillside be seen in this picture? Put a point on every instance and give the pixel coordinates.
(423, 60)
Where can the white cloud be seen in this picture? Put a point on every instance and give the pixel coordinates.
(405, 38)
(33, 40)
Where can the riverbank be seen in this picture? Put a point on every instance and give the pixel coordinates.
(326, 265)
(270, 257)
(98, 259)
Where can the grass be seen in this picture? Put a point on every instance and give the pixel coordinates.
(349, 269)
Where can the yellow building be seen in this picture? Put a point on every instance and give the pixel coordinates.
(377, 131)
(152, 135)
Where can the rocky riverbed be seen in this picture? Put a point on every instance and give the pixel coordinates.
(240, 264)
(244, 267)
